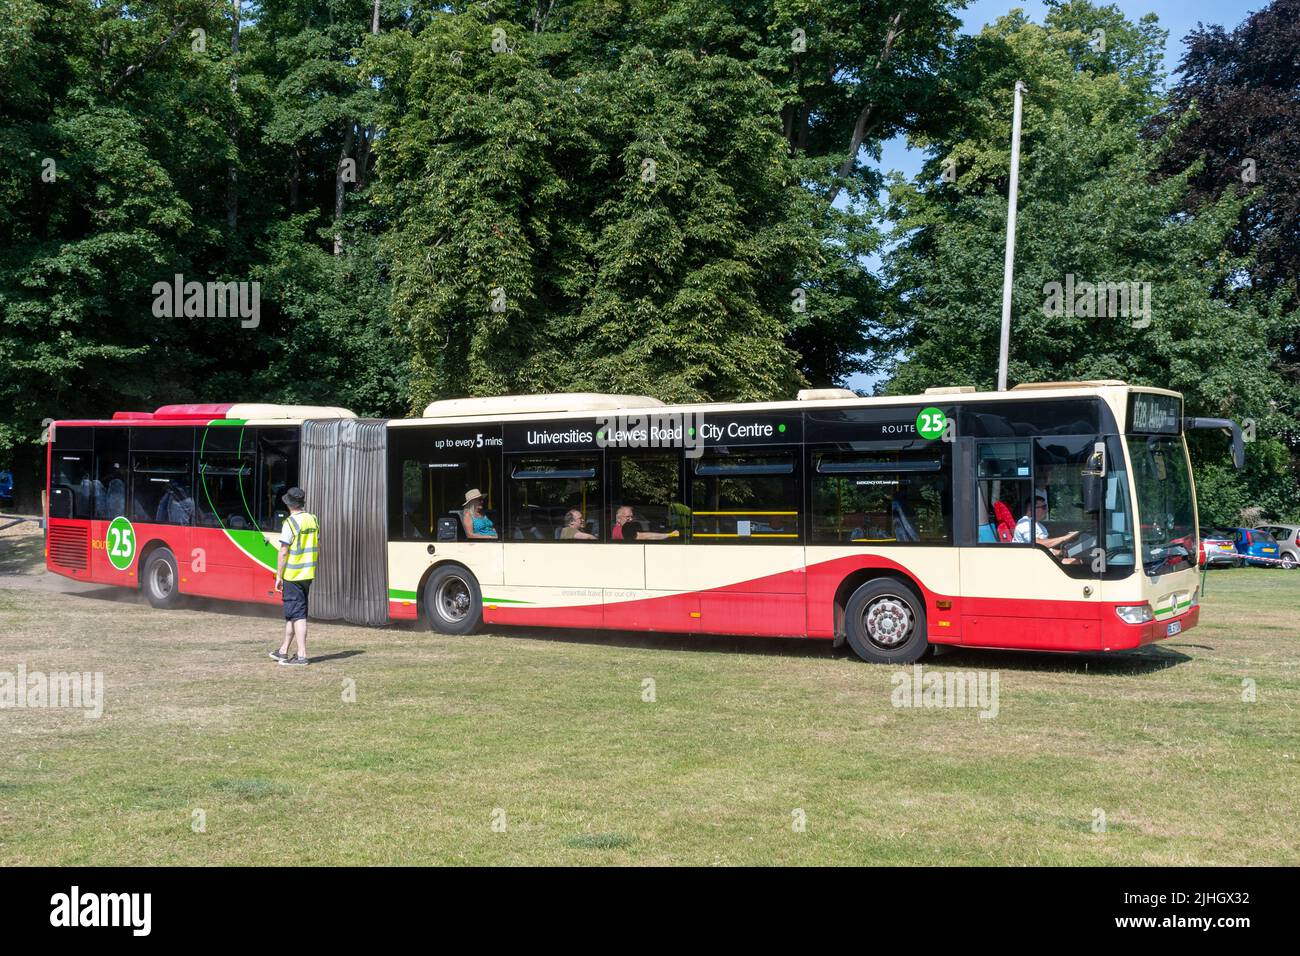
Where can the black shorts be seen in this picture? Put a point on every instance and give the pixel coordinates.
(295, 600)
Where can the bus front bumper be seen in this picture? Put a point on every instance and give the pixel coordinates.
(1118, 635)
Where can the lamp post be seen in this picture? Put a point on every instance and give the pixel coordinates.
(1009, 261)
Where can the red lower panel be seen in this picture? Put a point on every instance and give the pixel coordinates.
(774, 605)
(402, 611)
(587, 615)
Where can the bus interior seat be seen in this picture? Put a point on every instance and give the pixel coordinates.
(1006, 522)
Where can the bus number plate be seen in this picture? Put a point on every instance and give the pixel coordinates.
(1175, 627)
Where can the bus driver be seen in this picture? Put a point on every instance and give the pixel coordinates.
(1040, 533)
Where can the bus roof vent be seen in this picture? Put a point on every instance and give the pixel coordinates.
(536, 404)
(950, 390)
(1086, 383)
(247, 410)
(825, 394)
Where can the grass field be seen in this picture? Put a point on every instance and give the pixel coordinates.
(550, 727)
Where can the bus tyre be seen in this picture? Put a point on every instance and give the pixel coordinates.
(453, 602)
(160, 579)
(885, 622)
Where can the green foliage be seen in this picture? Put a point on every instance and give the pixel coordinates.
(1093, 205)
(671, 197)
(635, 228)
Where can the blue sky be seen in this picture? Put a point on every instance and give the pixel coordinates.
(1179, 17)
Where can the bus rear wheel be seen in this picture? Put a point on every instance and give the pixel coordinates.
(453, 602)
(885, 622)
(160, 579)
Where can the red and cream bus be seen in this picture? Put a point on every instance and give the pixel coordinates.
(1057, 517)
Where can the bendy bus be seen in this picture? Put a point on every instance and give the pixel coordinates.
(1053, 517)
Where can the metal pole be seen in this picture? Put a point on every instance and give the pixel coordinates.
(1008, 263)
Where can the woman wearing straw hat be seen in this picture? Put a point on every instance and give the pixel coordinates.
(476, 523)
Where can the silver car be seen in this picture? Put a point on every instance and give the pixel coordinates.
(1288, 542)
(1220, 548)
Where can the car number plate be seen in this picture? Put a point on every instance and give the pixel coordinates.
(1175, 627)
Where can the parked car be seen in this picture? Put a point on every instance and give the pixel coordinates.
(1219, 548)
(1287, 537)
(1256, 547)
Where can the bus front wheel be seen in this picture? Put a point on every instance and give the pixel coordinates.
(453, 602)
(160, 579)
(885, 622)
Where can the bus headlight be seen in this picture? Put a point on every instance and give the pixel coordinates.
(1135, 613)
(1196, 596)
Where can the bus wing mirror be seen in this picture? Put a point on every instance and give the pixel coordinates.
(1238, 443)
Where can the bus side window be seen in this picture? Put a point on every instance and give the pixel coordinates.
(745, 495)
(430, 470)
(162, 475)
(544, 489)
(1004, 489)
(882, 498)
(112, 475)
(645, 498)
(277, 472)
(72, 493)
(71, 488)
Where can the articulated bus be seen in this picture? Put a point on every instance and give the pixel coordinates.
(1053, 517)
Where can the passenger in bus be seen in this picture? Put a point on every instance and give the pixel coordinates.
(626, 528)
(573, 527)
(1040, 532)
(477, 525)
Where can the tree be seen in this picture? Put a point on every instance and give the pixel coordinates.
(1094, 212)
(559, 224)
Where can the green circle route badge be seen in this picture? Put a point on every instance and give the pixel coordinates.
(931, 423)
(119, 543)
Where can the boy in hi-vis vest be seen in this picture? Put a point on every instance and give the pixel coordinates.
(296, 571)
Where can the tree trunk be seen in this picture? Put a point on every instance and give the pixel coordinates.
(864, 118)
(340, 187)
(232, 168)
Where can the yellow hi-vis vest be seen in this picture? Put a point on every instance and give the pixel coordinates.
(302, 552)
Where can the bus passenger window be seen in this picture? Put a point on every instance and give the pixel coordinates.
(1004, 489)
(881, 498)
(430, 471)
(160, 487)
(71, 490)
(545, 492)
(111, 474)
(225, 486)
(277, 453)
(646, 502)
(745, 496)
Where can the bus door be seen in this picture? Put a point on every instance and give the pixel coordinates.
(558, 563)
(745, 558)
(1030, 571)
